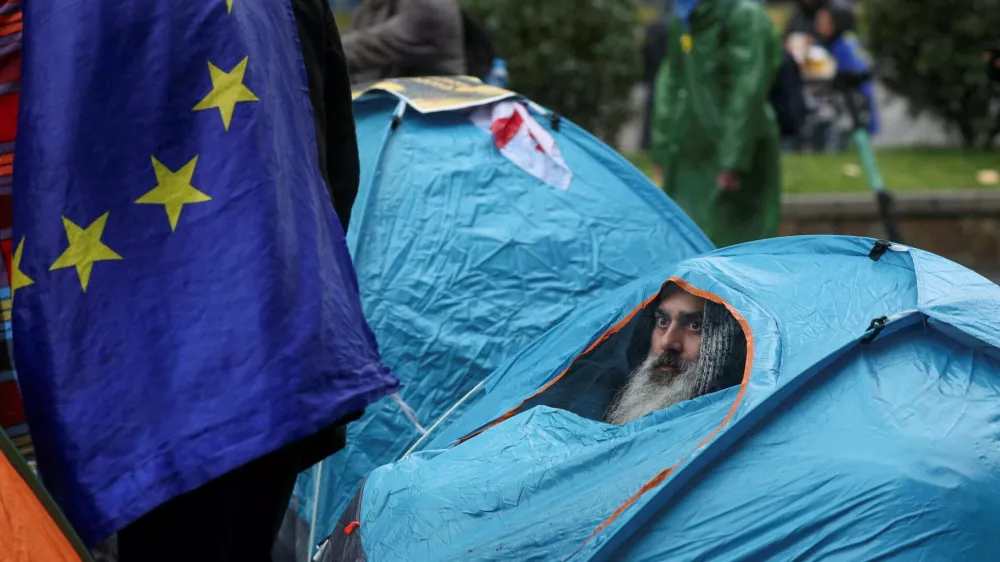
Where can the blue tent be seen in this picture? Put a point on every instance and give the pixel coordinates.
(866, 427)
(463, 257)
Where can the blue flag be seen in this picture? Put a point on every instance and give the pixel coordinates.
(184, 301)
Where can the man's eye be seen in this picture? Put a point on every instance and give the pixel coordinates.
(661, 322)
(696, 326)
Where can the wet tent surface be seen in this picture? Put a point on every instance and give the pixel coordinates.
(464, 259)
(831, 449)
(891, 453)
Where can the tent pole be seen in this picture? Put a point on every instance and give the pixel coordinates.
(440, 420)
(315, 509)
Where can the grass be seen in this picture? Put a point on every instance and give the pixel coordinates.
(902, 169)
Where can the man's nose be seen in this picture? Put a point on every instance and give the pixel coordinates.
(671, 339)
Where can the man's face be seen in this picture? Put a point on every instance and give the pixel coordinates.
(678, 329)
(824, 24)
(669, 374)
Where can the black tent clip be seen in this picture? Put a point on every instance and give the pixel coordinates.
(555, 121)
(397, 115)
(875, 328)
(879, 249)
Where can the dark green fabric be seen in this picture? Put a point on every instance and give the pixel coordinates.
(712, 114)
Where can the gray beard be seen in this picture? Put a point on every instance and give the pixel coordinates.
(648, 391)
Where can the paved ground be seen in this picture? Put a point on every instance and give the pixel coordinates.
(630, 137)
(899, 129)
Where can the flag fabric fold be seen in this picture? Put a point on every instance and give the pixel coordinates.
(184, 301)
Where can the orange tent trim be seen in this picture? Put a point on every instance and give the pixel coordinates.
(747, 371)
(31, 527)
(664, 474)
(610, 332)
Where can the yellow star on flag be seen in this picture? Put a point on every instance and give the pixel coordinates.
(85, 248)
(227, 91)
(229, 5)
(18, 280)
(173, 190)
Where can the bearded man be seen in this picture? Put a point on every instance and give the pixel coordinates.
(696, 347)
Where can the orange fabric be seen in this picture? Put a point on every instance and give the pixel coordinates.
(11, 29)
(10, 72)
(656, 481)
(6, 246)
(747, 370)
(8, 117)
(27, 532)
(613, 330)
(11, 409)
(10, 17)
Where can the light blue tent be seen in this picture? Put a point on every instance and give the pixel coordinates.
(867, 427)
(464, 258)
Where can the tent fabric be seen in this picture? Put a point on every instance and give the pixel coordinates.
(464, 258)
(848, 439)
(31, 529)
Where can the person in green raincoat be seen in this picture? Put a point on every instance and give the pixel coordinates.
(715, 136)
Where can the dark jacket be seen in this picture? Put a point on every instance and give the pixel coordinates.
(993, 66)
(803, 18)
(394, 38)
(654, 49)
(330, 93)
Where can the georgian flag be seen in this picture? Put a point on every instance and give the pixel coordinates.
(523, 141)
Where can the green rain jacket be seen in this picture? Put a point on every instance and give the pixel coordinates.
(713, 113)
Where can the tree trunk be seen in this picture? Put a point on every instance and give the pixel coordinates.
(967, 131)
(991, 138)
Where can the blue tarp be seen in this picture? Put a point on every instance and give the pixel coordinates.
(463, 259)
(832, 448)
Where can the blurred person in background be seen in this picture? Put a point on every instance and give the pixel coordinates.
(834, 20)
(654, 48)
(714, 132)
(397, 38)
(803, 18)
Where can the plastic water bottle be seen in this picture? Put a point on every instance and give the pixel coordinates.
(498, 74)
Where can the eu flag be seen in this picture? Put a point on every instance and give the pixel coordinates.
(184, 301)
